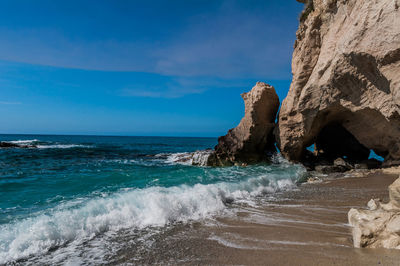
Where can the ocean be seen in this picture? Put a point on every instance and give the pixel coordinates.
(74, 199)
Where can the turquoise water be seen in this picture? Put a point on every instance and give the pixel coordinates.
(72, 189)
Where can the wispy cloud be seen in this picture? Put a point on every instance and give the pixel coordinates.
(229, 43)
(10, 103)
(169, 93)
(227, 39)
(176, 87)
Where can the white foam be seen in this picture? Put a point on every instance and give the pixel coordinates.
(231, 244)
(62, 146)
(72, 224)
(47, 146)
(184, 158)
(28, 141)
(240, 242)
(199, 158)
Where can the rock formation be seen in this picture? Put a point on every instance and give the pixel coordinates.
(250, 141)
(345, 92)
(379, 226)
(5, 144)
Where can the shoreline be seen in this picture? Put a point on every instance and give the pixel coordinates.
(305, 226)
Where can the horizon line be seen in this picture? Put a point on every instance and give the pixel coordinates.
(104, 135)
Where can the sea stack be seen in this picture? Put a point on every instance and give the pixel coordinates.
(253, 138)
(345, 92)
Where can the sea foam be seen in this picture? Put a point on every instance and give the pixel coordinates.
(24, 142)
(71, 224)
(62, 146)
(46, 145)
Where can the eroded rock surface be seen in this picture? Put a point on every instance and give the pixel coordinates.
(379, 226)
(250, 141)
(346, 74)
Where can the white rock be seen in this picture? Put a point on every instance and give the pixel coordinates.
(378, 227)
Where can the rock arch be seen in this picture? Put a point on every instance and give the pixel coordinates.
(346, 75)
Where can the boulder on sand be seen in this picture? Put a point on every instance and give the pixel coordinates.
(379, 226)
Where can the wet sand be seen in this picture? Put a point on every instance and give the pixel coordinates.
(307, 226)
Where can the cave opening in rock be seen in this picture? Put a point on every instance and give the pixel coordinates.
(334, 141)
(311, 148)
(375, 156)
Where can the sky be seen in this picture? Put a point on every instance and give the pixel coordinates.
(160, 68)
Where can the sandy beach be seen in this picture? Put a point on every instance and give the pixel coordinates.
(307, 226)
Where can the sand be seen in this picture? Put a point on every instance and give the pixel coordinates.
(307, 226)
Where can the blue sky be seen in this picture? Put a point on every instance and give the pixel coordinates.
(139, 67)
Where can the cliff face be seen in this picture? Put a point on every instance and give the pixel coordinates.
(346, 77)
(252, 138)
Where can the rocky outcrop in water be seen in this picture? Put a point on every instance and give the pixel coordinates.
(5, 144)
(345, 93)
(379, 226)
(250, 141)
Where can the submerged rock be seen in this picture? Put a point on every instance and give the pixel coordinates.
(379, 226)
(345, 93)
(5, 144)
(250, 141)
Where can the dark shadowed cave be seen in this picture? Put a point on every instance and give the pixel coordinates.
(334, 141)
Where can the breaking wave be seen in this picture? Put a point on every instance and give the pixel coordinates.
(62, 146)
(23, 142)
(35, 143)
(75, 222)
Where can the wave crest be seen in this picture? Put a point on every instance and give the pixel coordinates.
(133, 208)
